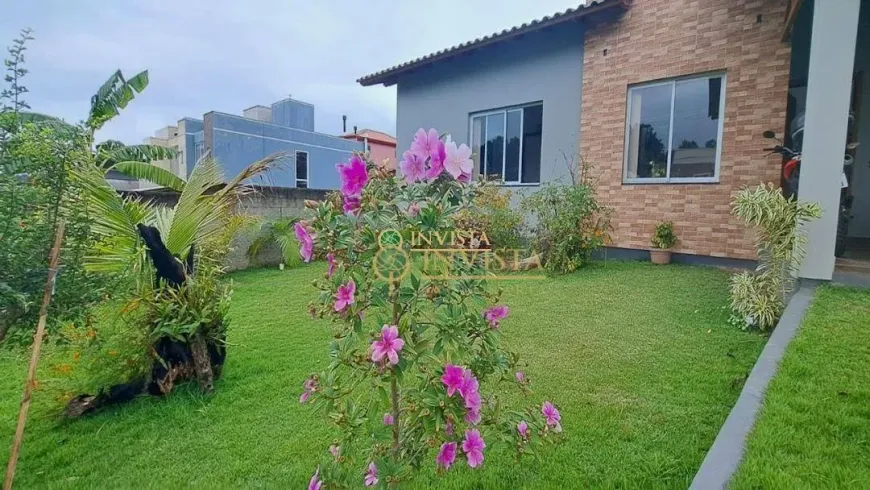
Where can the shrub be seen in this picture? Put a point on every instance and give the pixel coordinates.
(276, 232)
(415, 358)
(494, 216)
(758, 298)
(664, 236)
(570, 224)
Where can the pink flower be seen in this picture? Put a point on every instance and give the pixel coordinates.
(464, 177)
(306, 244)
(315, 483)
(310, 386)
(351, 206)
(446, 455)
(523, 429)
(469, 384)
(472, 417)
(436, 167)
(389, 419)
(426, 143)
(552, 415)
(330, 259)
(354, 176)
(473, 401)
(496, 313)
(371, 475)
(389, 345)
(521, 377)
(344, 296)
(458, 160)
(473, 446)
(413, 210)
(334, 451)
(413, 166)
(452, 378)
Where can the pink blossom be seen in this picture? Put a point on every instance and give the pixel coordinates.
(469, 383)
(458, 160)
(552, 415)
(436, 167)
(473, 417)
(351, 206)
(334, 451)
(330, 259)
(371, 478)
(389, 345)
(413, 166)
(413, 210)
(389, 419)
(521, 377)
(464, 177)
(315, 483)
(354, 176)
(306, 244)
(426, 143)
(496, 313)
(523, 429)
(446, 455)
(473, 401)
(344, 296)
(473, 446)
(452, 378)
(310, 386)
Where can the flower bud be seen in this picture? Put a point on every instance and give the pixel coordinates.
(310, 204)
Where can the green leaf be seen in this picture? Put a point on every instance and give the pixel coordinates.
(151, 173)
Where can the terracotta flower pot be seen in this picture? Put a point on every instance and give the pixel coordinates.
(660, 256)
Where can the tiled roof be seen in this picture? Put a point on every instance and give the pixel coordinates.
(388, 76)
(372, 135)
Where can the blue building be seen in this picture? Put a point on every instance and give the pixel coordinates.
(287, 126)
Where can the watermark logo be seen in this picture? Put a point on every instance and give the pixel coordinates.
(453, 254)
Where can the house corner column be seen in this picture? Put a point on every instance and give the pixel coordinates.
(829, 88)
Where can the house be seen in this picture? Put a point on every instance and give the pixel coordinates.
(668, 100)
(236, 141)
(381, 146)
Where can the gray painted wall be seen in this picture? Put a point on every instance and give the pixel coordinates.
(544, 66)
(860, 226)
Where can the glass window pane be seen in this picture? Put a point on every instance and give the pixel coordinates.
(649, 131)
(302, 184)
(512, 153)
(532, 130)
(696, 127)
(478, 138)
(494, 145)
(301, 165)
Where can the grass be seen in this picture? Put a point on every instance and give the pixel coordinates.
(639, 358)
(814, 427)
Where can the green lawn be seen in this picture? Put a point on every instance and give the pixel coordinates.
(814, 427)
(639, 358)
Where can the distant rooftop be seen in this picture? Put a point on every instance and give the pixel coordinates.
(371, 135)
(389, 75)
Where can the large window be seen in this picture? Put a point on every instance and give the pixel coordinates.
(674, 130)
(506, 144)
(302, 169)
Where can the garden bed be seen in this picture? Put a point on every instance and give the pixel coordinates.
(812, 431)
(641, 360)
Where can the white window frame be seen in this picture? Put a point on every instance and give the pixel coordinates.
(667, 179)
(504, 111)
(307, 167)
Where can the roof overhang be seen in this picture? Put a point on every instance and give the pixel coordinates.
(389, 76)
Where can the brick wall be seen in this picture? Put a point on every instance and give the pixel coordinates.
(658, 39)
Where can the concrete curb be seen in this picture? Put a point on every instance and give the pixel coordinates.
(725, 454)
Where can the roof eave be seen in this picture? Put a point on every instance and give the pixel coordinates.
(389, 76)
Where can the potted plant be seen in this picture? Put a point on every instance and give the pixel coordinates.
(662, 240)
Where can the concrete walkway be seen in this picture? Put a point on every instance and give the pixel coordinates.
(725, 454)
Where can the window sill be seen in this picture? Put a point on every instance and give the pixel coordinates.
(695, 180)
(518, 184)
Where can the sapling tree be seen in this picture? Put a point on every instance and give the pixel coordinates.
(416, 361)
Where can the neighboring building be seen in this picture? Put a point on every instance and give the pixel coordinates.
(287, 126)
(381, 146)
(667, 99)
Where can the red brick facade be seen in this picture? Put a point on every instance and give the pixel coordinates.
(659, 39)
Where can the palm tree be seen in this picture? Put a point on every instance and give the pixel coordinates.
(278, 231)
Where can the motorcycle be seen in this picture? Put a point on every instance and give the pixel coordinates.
(791, 177)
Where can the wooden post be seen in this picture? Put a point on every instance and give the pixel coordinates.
(34, 358)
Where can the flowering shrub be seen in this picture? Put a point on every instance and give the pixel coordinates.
(412, 352)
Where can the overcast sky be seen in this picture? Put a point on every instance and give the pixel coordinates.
(227, 55)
